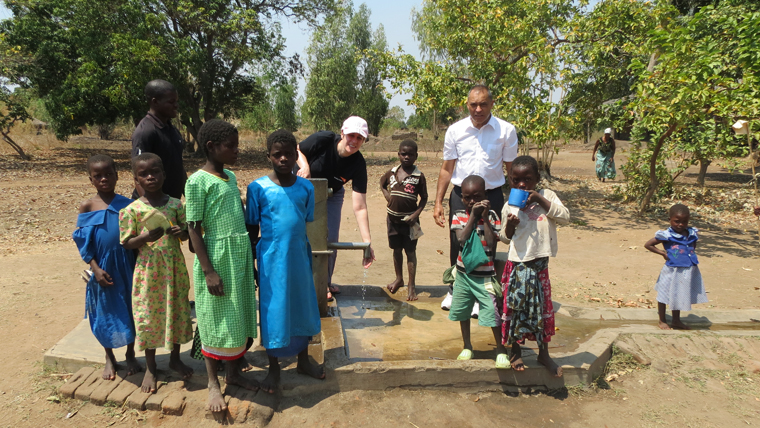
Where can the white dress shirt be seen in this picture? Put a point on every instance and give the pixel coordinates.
(480, 151)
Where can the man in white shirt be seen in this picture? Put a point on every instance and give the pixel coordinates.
(480, 144)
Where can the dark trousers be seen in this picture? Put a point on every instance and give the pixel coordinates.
(495, 196)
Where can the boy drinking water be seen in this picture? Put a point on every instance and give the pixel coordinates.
(476, 230)
(531, 232)
(401, 187)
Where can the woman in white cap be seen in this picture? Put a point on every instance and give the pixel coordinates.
(325, 154)
(604, 155)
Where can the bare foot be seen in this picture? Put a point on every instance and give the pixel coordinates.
(149, 384)
(180, 367)
(678, 325)
(395, 285)
(132, 365)
(412, 294)
(109, 371)
(515, 360)
(215, 398)
(309, 369)
(272, 381)
(663, 326)
(245, 366)
(241, 381)
(546, 361)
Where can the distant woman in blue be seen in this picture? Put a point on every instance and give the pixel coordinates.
(279, 205)
(109, 290)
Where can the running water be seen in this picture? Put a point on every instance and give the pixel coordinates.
(364, 286)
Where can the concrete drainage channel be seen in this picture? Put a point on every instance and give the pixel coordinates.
(378, 342)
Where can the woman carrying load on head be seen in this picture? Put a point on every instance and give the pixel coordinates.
(604, 155)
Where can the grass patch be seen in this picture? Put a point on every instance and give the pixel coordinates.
(621, 362)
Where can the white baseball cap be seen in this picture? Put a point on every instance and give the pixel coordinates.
(355, 125)
(608, 131)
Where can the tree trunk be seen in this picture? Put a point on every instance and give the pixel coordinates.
(587, 137)
(654, 181)
(703, 164)
(435, 127)
(15, 146)
(544, 169)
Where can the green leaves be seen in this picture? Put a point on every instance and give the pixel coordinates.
(90, 60)
(343, 79)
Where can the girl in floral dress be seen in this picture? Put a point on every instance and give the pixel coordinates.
(160, 284)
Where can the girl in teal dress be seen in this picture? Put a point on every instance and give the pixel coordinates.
(109, 290)
(279, 205)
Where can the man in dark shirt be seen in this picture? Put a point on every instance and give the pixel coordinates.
(325, 154)
(156, 134)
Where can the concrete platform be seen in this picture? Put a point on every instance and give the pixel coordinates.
(374, 341)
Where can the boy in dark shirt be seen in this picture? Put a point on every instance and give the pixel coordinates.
(401, 186)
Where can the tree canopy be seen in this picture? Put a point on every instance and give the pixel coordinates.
(515, 48)
(91, 59)
(674, 73)
(342, 81)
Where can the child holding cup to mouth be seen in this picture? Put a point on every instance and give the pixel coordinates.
(531, 219)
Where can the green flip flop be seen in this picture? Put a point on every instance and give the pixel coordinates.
(502, 362)
(466, 354)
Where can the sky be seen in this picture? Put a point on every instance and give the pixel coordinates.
(394, 15)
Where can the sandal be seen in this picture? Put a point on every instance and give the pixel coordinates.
(466, 354)
(502, 362)
(333, 289)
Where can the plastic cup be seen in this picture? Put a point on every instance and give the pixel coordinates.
(518, 198)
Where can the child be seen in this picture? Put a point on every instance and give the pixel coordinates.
(109, 290)
(159, 295)
(225, 296)
(680, 283)
(531, 233)
(401, 186)
(279, 205)
(475, 280)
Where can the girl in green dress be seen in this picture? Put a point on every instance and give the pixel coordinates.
(160, 287)
(225, 298)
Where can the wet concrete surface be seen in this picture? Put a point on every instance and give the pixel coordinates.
(383, 327)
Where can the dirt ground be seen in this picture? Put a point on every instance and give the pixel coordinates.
(601, 262)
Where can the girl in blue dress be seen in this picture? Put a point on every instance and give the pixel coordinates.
(279, 205)
(109, 290)
(680, 283)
